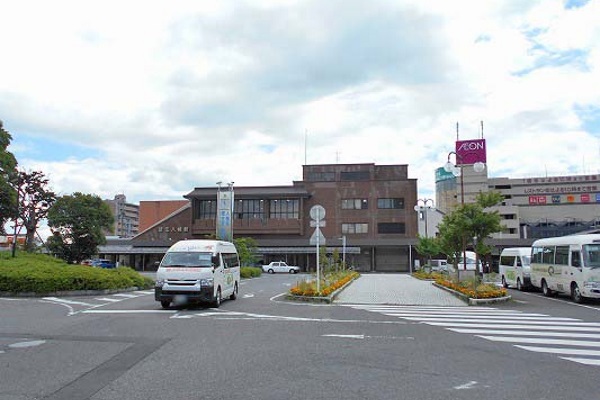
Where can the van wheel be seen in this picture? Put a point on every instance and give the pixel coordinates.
(504, 284)
(271, 271)
(165, 304)
(547, 292)
(519, 286)
(218, 299)
(235, 292)
(576, 293)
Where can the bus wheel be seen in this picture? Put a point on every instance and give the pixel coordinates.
(519, 286)
(165, 304)
(504, 284)
(547, 292)
(235, 292)
(576, 293)
(218, 299)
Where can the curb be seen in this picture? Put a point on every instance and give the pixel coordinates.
(70, 292)
(470, 301)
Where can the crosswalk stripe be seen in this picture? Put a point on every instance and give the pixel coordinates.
(554, 350)
(128, 296)
(448, 316)
(516, 326)
(509, 321)
(527, 333)
(512, 339)
(587, 361)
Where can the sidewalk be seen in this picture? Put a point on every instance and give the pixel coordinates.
(397, 289)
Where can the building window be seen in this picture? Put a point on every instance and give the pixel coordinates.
(355, 204)
(321, 176)
(205, 209)
(284, 209)
(355, 228)
(355, 176)
(396, 203)
(248, 209)
(391, 227)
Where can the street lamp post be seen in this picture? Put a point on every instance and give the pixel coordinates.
(425, 209)
(343, 238)
(457, 170)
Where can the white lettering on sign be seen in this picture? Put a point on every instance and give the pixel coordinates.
(472, 146)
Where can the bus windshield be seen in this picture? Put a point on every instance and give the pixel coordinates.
(187, 259)
(591, 255)
(526, 260)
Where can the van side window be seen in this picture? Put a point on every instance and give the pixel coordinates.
(548, 255)
(507, 260)
(576, 259)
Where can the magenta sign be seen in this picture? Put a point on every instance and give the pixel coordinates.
(471, 151)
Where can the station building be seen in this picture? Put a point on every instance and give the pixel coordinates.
(369, 216)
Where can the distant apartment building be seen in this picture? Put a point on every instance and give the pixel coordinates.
(126, 217)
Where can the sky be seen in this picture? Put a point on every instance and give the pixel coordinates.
(152, 99)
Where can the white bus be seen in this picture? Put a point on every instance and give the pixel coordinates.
(567, 264)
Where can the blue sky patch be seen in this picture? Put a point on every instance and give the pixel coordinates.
(590, 117)
(569, 4)
(46, 149)
(575, 57)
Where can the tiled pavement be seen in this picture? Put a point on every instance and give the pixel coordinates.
(395, 289)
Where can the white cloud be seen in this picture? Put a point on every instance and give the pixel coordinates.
(169, 97)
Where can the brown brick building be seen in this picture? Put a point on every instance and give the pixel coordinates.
(370, 205)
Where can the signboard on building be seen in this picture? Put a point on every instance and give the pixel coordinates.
(224, 214)
(471, 151)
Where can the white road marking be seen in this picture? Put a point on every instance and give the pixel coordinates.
(527, 333)
(248, 295)
(586, 361)
(468, 385)
(108, 299)
(346, 336)
(22, 345)
(57, 300)
(96, 311)
(129, 296)
(553, 350)
(516, 326)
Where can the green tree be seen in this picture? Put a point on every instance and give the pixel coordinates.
(77, 222)
(246, 248)
(428, 247)
(8, 174)
(470, 224)
(35, 199)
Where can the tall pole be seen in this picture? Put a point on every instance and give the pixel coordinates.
(14, 244)
(344, 251)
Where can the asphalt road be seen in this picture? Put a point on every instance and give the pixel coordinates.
(126, 346)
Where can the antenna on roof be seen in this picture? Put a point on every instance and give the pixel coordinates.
(305, 144)
(482, 129)
(457, 131)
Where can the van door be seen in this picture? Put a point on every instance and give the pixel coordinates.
(229, 279)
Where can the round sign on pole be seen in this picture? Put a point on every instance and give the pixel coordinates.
(317, 212)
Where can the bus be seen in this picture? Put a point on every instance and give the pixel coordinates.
(568, 265)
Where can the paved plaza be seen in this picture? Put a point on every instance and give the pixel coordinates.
(399, 289)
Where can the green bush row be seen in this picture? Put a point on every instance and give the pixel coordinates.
(44, 274)
(250, 272)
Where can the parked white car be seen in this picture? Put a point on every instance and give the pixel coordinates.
(280, 266)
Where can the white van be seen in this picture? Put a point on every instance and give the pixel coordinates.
(198, 271)
(470, 263)
(515, 267)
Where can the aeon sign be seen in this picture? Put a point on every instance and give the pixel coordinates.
(471, 151)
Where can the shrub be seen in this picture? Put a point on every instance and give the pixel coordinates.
(39, 273)
(473, 288)
(250, 272)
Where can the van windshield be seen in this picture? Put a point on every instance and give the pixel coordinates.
(591, 255)
(187, 259)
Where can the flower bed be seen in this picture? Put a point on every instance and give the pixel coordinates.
(329, 284)
(472, 288)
